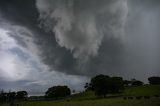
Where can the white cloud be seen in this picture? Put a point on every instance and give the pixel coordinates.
(10, 66)
(14, 67)
(6, 42)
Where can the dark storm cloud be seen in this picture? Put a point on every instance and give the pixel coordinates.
(19, 12)
(80, 26)
(143, 38)
(89, 33)
(86, 37)
(97, 48)
(150, 4)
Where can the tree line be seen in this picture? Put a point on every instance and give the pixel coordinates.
(11, 96)
(101, 85)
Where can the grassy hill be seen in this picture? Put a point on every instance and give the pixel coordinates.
(89, 99)
(143, 90)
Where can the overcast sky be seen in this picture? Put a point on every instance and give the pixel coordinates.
(66, 42)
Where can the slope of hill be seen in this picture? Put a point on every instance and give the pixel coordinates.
(89, 99)
(145, 90)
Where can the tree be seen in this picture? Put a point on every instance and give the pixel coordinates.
(21, 95)
(11, 96)
(3, 96)
(103, 84)
(100, 85)
(87, 86)
(116, 84)
(57, 91)
(127, 82)
(154, 80)
(73, 91)
(137, 83)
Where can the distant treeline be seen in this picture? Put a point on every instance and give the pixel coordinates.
(11, 96)
(103, 84)
(100, 84)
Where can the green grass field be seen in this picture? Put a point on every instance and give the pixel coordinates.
(88, 99)
(143, 90)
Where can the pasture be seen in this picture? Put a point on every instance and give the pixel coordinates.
(122, 99)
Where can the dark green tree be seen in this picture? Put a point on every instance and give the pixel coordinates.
(127, 82)
(154, 80)
(137, 83)
(116, 84)
(57, 91)
(103, 84)
(11, 96)
(88, 86)
(21, 95)
(3, 96)
(100, 85)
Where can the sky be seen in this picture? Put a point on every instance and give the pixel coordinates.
(44, 43)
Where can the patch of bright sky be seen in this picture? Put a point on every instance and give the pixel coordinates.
(10, 65)
(20, 63)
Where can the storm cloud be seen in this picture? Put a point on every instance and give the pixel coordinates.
(80, 26)
(63, 41)
(83, 28)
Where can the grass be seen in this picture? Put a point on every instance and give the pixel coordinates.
(88, 99)
(143, 90)
(99, 102)
(83, 96)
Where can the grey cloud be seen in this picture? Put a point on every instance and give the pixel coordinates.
(91, 48)
(12, 85)
(80, 26)
(32, 89)
(94, 50)
(143, 39)
(108, 50)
